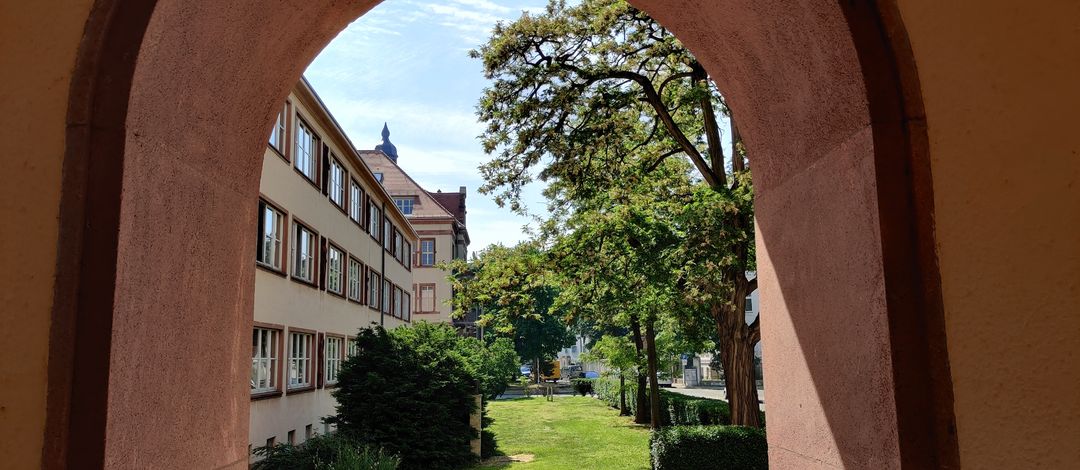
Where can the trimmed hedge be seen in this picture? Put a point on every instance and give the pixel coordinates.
(677, 409)
(681, 409)
(607, 390)
(583, 386)
(709, 448)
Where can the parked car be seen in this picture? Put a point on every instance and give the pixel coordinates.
(663, 380)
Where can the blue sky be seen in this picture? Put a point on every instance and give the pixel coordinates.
(406, 63)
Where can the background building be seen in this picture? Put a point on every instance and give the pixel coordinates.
(333, 256)
(439, 221)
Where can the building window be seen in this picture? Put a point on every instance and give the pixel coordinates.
(308, 434)
(378, 177)
(397, 246)
(388, 238)
(354, 347)
(356, 202)
(334, 347)
(271, 228)
(408, 307)
(306, 153)
(264, 357)
(292, 437)
(398, 310)
(404, 204)
(300, 359)
(427, 298)
(386, 293)
(406, 255)
(373, 289)
(373, 219)
(277, 134)
(304, 253)
(427, 252)
(355, 280)
(336, 189)
(334, 260)
(749, 304)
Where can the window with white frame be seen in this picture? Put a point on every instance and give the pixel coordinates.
(305, 253)
(404, 204)
(356, 282)
(427, 252)
(300, 347)
(374, 280)
(427, 298)
(397, 245)
(277, 134)
(354, 347)
(335, 259)
(271, 228)
(374, 217)
(307, 155)
(399, 312)
(264, 357)
(386, 294)
(336, 190)
(749, 304)
(356, 202)
(388, 234)
(333, 353)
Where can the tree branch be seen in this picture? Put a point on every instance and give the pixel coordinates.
(661, 158)
(653, 98)
(751, 285)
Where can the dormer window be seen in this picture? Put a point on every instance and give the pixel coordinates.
(404, 204)
(378, 177)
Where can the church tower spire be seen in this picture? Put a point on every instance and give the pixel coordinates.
(386, 147)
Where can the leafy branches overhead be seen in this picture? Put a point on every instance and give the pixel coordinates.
(596, 86)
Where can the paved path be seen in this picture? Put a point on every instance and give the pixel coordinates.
(714, 393)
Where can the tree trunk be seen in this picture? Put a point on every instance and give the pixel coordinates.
(622, 395)
(737, 354)
(640, 405)
(654, 386)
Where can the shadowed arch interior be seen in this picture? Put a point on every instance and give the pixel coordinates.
(171, 105)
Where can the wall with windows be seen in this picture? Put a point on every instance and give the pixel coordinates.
(433, 291)
(332, 257)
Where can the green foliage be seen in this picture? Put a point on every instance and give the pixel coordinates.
(681, 409)
(709, 448)
(607, 390)
(583, 386)
(326, 452)
(677, 409)
(513, 285)
(411, 392)
(597, 88)
(614, 112)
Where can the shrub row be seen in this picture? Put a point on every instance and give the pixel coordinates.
(333, 451)
(677, 409)
(709, 448)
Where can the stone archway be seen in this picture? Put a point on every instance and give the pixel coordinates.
(162, 164)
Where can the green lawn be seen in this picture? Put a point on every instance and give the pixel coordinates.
(569, 433)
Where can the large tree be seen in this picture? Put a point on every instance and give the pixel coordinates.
(514, 289)
(596, 93)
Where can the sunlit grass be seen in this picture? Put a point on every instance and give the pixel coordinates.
(578, 433)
